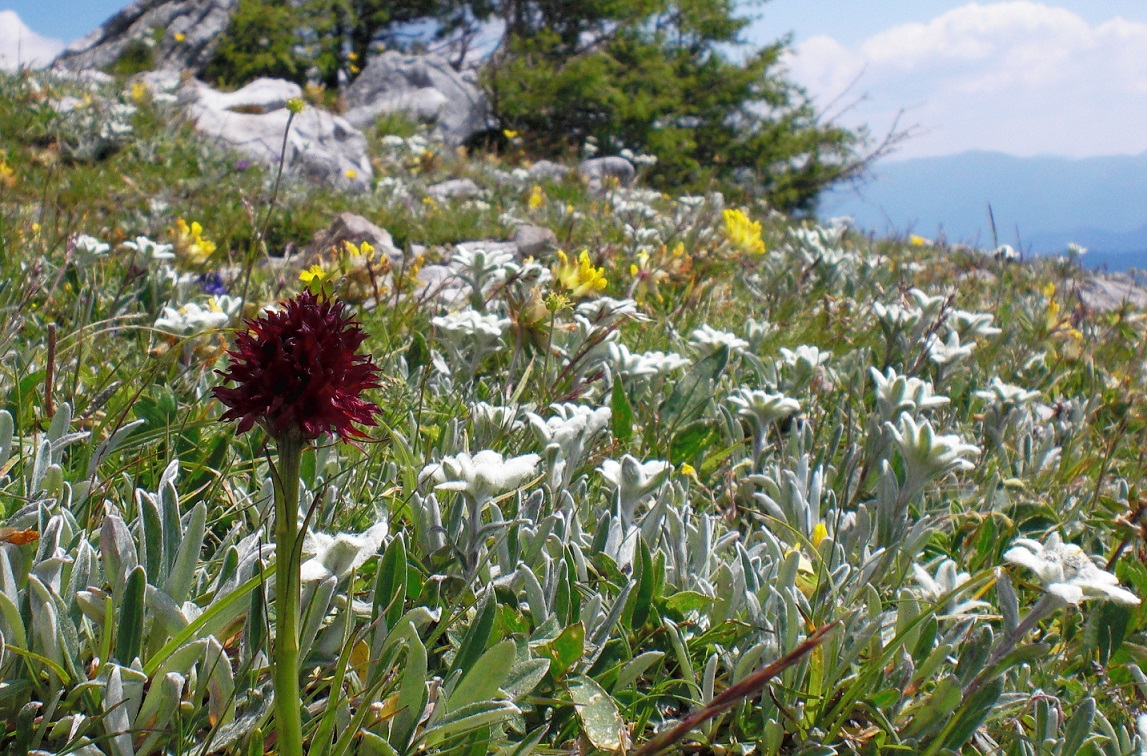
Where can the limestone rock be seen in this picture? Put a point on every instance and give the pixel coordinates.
(460, 189)
(595, 171)
(533, 241)
(321, 146)
(175, 34)
(1106, 292)
(425, 87)
(548, 170)
(349, 227)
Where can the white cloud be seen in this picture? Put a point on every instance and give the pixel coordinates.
(1017, 76)
(20, 46)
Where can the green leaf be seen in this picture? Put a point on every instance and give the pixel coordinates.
(477, 636)
(598, 713)
(1078, 726)
(944, 700)
(525, 676)
(973, 713)
(684, 602)
(694, 391)
(390, 583)
(467, 719)
(691, 441)
(642, 598)
(482, 681)
(412, 691)
(187, 557)
(564, 650)
(129, 636)
(621, 412)
(417, 354)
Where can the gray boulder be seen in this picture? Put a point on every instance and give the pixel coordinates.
(532, 241)
(424, 87)
(595, 171)
(548, 170)
(320, 146)
(349, 227)
(175, 34)
(460, 189)
(1107, 292)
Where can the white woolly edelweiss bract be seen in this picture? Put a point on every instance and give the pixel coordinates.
(642, 364)
(942, 585)
(337, 555)
(633, 481)
(708, 339)
(87, 249)
(1006, 394)
(193, 318)
(471, 323)
(482, 475)
(152, 250)
(1066, 571)
(762, 408)
(897, 393)
(928, 455)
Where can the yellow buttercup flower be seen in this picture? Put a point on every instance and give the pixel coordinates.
(180, 36)
(918, 241)
(745, 234)
(314, 272)
(580, 277)
(509, 133)
(138, 92)
(7, 175)
(536, 198)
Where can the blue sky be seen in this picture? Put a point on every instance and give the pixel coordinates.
(1065, 77)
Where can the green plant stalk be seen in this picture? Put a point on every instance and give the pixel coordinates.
(288, 707)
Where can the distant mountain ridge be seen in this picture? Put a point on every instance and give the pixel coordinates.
(1039, 203)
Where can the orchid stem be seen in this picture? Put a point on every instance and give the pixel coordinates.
(288, 716)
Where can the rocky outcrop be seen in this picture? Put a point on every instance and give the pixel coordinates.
(355, 229)
(1106, 292)
(252, 121)
(176, 34)
(596, 171)
(426, 88)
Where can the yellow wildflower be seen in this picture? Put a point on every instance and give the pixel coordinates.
(819, 533)
(314, 272)
(580, 277)
(7, 176)
(180, 36)
(351, 174)
(509, 133)
(138, 92)
(189, 242)
(536, 198)
(918, 241)
(745, 234)
(296, 105)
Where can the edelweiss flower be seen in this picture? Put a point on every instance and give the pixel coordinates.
(633, 481)
(482, 475)
(941, 586)
(150, 249)
(903, 393)
(1066, 571)
(948, 351)
(1007, 395)
(298, 369)
(87, 249)
(194, 318)
(337, 555)
(708, 340)
(761, 408)
(927, 455)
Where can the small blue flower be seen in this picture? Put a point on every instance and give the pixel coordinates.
(212, 283)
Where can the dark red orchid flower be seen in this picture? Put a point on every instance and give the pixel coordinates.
(298, 369)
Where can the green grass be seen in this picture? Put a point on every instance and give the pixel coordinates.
(496, 633)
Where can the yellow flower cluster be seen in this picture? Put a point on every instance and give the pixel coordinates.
(536, 198)
(580, 277)
(7, 175)
(190, 244)
(745, 234)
